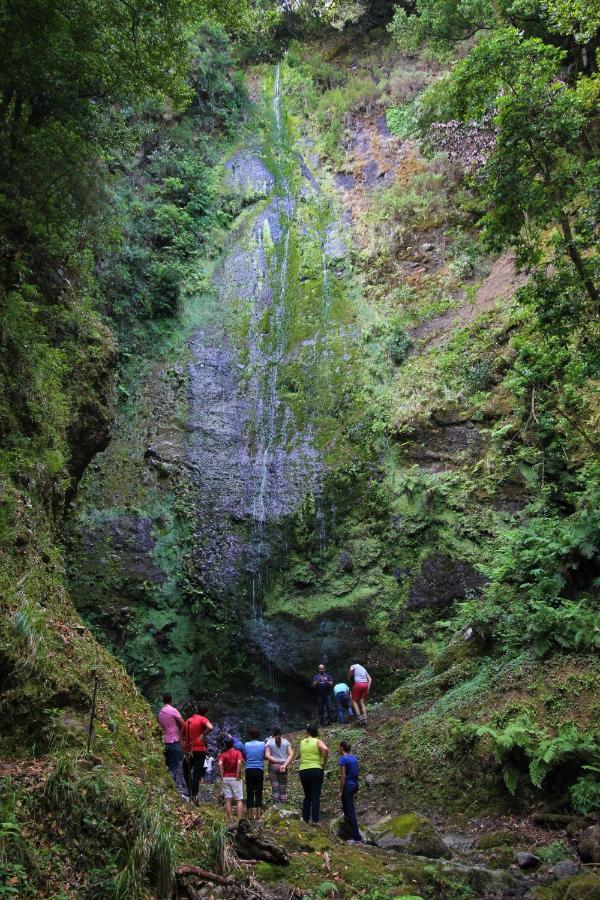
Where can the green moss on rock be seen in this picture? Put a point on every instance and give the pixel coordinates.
(497, 839)
(579, 887)
(412, 834)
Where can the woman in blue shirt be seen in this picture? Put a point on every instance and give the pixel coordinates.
(349, 767)
(254, 750)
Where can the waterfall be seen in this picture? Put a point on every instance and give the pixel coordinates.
(277, 97)
(269, 359)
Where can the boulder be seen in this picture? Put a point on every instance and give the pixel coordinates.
(526, 860)
(579, 887)
(340, 828)
(497, 839)
(410, 833)
(576, 826)
(481, 879)
(564, 869)
(465, 644)
(589, 845)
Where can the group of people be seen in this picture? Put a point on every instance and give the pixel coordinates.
(276, 754)
(185, 742)
(350, 699)
(185, 747)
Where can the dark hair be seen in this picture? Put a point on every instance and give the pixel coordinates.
(253, 733)
(167, 698)
(276, 731)
(202, 708)
(346, 746)
(228, 742)
(313, 729)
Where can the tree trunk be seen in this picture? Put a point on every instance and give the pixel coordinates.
(577, 261)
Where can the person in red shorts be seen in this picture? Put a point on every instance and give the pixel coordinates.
(193, 737)
(361, 685)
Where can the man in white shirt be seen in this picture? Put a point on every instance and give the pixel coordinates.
(361, 685)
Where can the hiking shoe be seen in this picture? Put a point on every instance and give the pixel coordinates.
(354, 842)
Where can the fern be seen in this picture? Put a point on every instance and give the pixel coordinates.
(326, 889)
(543, 751)
(585, 793)
(568, 741)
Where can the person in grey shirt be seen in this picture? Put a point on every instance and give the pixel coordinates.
(361, 685)
(279, 753)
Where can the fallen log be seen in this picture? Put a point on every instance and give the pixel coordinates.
(203, 874)
(250, 842)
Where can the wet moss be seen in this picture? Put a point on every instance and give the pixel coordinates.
(497, 839)
(579, 887)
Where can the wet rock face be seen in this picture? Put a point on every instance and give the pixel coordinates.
(247, 175)
(251, 466)
(295, 650)
(441, 581)
(92, 418)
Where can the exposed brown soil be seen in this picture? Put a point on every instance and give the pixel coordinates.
(498, 288)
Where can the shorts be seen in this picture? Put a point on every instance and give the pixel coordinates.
(360, 690)
(232, 788)
(254, 788)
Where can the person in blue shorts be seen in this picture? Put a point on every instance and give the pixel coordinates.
(349, 768)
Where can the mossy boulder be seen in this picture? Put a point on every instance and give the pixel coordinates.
(497, 839)
(579, 887)
(480, 879)
(466, 644)
(340, 828)
(589, 845)
(500, 857)
(410, 833)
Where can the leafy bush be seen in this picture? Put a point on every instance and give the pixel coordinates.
(399, 343)
(400, 120)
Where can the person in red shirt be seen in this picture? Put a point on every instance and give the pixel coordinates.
(193, 736)
(230, 770)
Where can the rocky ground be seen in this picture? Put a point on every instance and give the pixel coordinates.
(434, 853)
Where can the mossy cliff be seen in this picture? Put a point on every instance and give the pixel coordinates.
(335, 457)
(223, 448)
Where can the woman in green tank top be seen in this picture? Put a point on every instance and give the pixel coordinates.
(313, 759)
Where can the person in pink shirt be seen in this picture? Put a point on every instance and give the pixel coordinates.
(171, 724)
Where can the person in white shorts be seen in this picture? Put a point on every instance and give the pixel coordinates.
(230, 770)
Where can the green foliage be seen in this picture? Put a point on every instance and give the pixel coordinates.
(400, 120)
(216, 843)
(170, 206)
(540, 563)
(326, 889)
(313, 88)
(443, 23)
(554, 852)
(542, 751)
(399, 343)
(585, 793)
